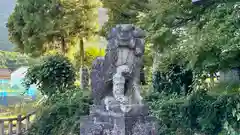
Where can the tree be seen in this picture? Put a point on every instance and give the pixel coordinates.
(202, 38)
(30, 24)
(124, 11)
(87, 19)
(37, 26)
(193, 35)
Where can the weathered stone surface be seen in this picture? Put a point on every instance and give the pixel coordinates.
(97, 81)
(115, 122)
(123, 63)
(84, 78)
(115, 82)
(230, 76)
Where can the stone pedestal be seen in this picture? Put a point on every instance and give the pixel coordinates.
(114, 122)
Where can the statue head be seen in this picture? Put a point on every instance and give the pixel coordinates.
(126, 35)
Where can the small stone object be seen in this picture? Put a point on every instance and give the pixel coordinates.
(84, 78)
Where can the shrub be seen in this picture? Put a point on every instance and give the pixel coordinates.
(54, 74)
(61, 114)
(166, 108)
(199, 112)
(176, 80)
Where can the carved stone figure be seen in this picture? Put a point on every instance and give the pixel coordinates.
(115, 82)
(120, 69)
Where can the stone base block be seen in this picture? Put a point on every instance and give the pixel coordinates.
(114, 122)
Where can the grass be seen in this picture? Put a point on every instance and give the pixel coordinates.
(13, 100)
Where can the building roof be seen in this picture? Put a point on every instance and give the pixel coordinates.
(5, 72)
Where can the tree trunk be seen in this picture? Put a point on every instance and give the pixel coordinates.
(84, 78)
(64, 46)
(81, 46)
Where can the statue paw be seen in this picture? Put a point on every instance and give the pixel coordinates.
(125, 108)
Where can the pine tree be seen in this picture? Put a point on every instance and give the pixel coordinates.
(37, 26)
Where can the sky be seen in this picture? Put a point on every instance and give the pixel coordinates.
(6, 8)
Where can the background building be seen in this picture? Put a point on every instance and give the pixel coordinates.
(5, 74)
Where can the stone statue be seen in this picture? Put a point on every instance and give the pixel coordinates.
(120, 68)
(115, 83)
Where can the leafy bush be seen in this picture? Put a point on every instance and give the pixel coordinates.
(61, 114)
(175, 80)
(66, 103)
(166, 108)
(54, 74)
(199, 112)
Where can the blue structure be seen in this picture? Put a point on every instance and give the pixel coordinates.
(11, 90)
(3, 81)
(17, 79)
(31, 92)
(3, 98)
(3, 94)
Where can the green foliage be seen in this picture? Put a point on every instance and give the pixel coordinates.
(201, 36)
(124, 11)
(166, 108)
(89, 56)
(191, 41)
(202, 112)
(13, 60)
(37, 26)
(175, 80)
(208, 113)
(61, 114)
(24, 24)
(54, 74)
